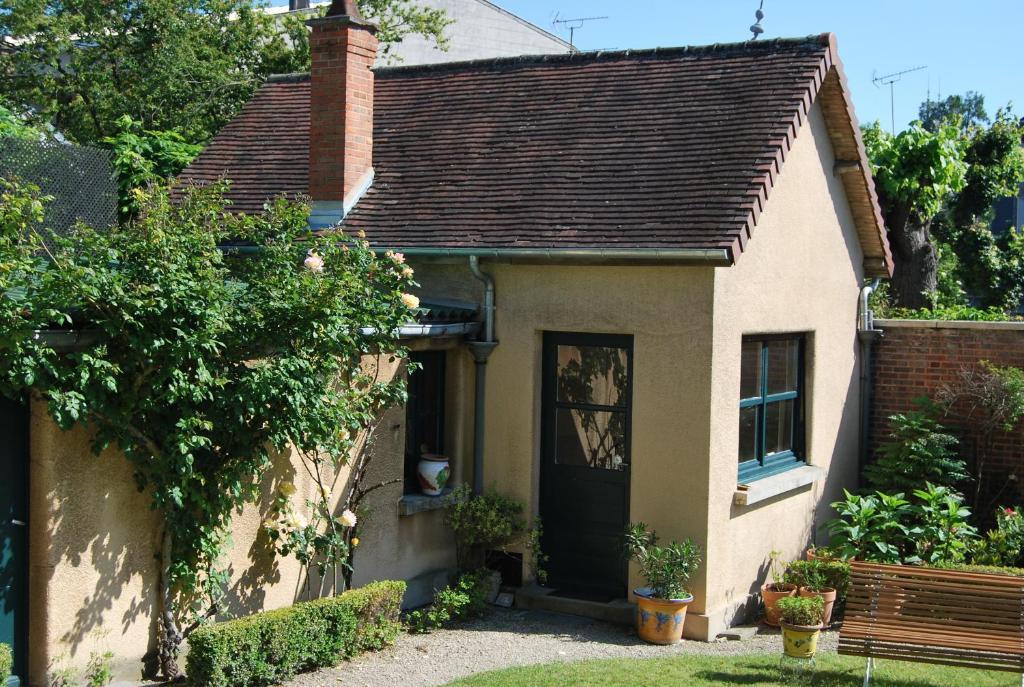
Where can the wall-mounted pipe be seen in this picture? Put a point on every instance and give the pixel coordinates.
(481, 351)
(866, 335)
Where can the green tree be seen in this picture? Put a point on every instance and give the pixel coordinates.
(916, 173)
(173, 65)
(919, 450)
(967, 109)
(205, 362)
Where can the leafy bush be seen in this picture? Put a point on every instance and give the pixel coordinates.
(919, 451)
(6, 663)
(820, 573)
(941, 532)
(667, 569)
(481, 523)
(951, 313)
(807, 611)
(985, 569)
(269, 648)
(98, 671)
(1003, 546)
(874, 527)
(466, 598)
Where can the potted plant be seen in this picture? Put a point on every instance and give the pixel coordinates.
(801, 625)
(820, 577)
(433, 472)
(814, 585)
(661, 605)
(777, 589)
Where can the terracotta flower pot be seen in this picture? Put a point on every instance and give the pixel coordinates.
(433, 473)
(799, 641)
(828, 596)
(660, 621)
(771, 593)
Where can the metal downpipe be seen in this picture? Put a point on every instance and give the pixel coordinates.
(866, 335)
(481, 351)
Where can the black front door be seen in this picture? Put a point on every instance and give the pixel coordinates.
(585, 460)
(14, 530)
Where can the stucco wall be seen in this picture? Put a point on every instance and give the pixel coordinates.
(93, 538)
(800, 273)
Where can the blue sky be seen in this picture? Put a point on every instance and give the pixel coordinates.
(966, 45)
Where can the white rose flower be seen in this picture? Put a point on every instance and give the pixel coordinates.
(411, 301)
(287, 488)
(313, 262)
(348, 518)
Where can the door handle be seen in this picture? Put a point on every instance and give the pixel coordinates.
(19, 523)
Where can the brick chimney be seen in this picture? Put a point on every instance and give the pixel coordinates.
(343, 47)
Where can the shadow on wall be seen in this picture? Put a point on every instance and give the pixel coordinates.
(844, 474)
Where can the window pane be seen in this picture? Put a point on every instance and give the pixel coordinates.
(783, 364)
(592, 374)
(750, 370)
(590, 438)
(779, 427)
(748, 434)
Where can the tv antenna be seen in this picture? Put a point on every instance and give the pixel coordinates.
(573, 24)
(890, 81)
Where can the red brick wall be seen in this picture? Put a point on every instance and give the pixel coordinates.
(341, 106)
(914, 361)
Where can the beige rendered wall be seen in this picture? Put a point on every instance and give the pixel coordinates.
(92, 539)
(800, 273)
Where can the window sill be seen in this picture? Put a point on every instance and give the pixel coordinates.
(411, 504)
(776, 485)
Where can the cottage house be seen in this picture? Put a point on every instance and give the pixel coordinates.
(642, 273)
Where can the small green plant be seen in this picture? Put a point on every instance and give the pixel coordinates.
(534, 538)
(6, 663)
(1003, 546)
(465, 599)
(98, 671)
(942, 532)
(802, 611)
(482, 522)
(919, 451)
(820, 573)
(667, 569)
(875, 527)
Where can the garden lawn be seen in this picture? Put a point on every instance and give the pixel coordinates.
(750, 671)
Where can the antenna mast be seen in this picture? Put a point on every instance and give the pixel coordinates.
(574, 24)
(890, 81)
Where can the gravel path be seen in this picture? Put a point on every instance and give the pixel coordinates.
(505, 638)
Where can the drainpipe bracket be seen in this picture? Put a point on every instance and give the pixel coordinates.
(869, 335)
(482, 350)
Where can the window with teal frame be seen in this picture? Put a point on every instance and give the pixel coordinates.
(771, 406)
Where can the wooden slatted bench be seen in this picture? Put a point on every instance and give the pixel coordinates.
(946, 617)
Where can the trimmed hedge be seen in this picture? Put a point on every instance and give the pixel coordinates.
(269, 648)
(985, 569)
(6, 663)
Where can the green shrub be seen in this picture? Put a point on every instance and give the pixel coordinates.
(941, 532)
(466, 598)
(919, 451)
(482, 522)
(875, 527)
(984, 569)
(269, 648)
(1003, 546)
(6, 663)
(667, 569)
(822, 573)
(808, 611)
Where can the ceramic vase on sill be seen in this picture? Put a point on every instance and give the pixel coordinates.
(433, 472)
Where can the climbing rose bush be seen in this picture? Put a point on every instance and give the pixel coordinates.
(204, 362)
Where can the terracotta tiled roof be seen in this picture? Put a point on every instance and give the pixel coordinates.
(662, 149)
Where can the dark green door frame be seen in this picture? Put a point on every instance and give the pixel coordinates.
(14, 461)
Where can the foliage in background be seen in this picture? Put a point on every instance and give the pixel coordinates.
(919, 450)
(143, 158)
(804, 611)
(173, 65)
(206, 362)
(941, 531)
(968, 110)
(466, 598)
(11, 124)
(98, 671)
(269, 648)
(6, 663)
(984, 401)
(482, 522)
(666, 569)
(1003, 546)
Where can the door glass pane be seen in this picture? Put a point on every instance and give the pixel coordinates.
(590, 438)
(783, 361)
(779, 427)
(592, 374)
(750, 370)
(748, 434)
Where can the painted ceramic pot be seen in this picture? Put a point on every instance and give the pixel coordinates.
(799, 641)
(771, 593)
(660, 621)
(434, 472)
(828, 598)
